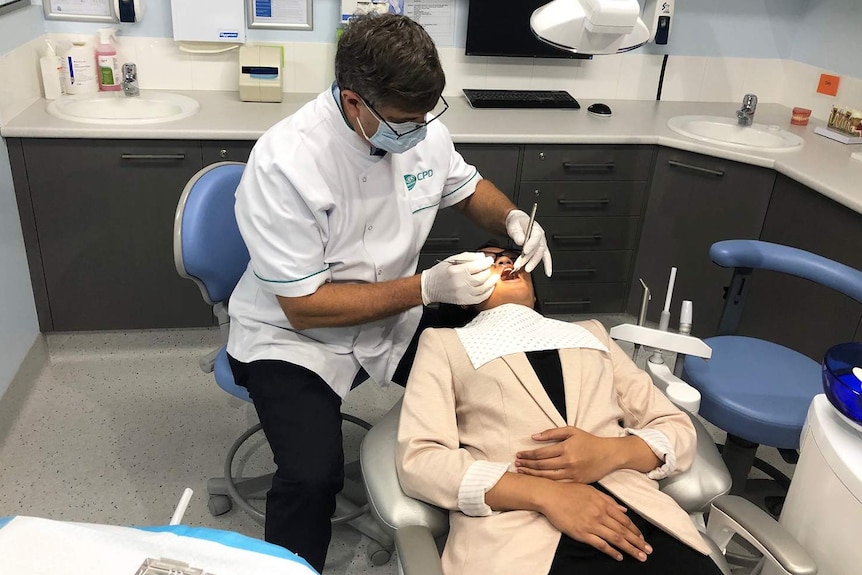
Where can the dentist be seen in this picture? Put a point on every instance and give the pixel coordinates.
(334, 206)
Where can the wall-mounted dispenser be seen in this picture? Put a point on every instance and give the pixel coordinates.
(260, 73)
(129, 10)
(208, 21)
(657, 16)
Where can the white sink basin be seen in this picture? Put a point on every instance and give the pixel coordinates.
(117, 109)
(728, 132)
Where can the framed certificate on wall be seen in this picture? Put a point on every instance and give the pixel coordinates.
(9, 5)
(81, 10)
(279, 14)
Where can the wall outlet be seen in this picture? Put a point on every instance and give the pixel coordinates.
(828, 84)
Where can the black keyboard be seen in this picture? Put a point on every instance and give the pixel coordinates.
(521, 99)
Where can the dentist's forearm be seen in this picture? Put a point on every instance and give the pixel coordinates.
(487, 207)
(345, 304)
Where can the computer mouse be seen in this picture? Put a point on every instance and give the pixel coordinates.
(600, 110)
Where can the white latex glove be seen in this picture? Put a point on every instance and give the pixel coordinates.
(536, 249)
(466, 283)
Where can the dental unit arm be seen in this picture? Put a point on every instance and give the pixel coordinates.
(679, 392)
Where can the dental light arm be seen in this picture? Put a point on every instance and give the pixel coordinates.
(591, 26)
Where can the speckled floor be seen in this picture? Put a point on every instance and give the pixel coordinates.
(117, 424)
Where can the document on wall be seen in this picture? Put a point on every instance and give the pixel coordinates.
(80, 7)
(281, 11)
(437, 17)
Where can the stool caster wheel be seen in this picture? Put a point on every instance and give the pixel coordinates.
(377, 554)
(219, 504)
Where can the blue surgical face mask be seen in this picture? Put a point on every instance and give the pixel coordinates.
(386, 139)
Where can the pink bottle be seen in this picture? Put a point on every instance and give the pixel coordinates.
(106, 57)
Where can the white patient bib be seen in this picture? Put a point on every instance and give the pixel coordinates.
(513, 328)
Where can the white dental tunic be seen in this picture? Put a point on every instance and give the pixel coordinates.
(315, 205)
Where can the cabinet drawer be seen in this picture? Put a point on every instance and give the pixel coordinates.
(581, 298)
(586, 267)
(591, 233)
(226, 151)
(583, 198)
(587, 163)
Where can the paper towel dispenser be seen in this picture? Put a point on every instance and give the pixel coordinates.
(260, 73)
(208, 20)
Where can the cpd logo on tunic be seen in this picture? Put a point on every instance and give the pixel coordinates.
(411, 180)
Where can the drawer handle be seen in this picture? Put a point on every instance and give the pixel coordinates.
(575, 167)
(153, 156)
(580, 272)
(590, 238)
(568, 302)
(698, 169)
(583, 203)
(442, 241)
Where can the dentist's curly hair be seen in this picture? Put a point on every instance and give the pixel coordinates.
(389, 60)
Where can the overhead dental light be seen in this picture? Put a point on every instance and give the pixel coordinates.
(591, 26)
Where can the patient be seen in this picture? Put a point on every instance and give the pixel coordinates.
(544, 441)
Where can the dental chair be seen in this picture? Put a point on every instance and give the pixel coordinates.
(416, 526)
(755, 390)
(209, 250)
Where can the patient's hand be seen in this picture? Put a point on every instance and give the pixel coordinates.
(578, 455)
(587, 515)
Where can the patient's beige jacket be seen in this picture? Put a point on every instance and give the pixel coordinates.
(454, 414)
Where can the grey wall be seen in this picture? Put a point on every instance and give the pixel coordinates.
(18, 325)
(830, 36)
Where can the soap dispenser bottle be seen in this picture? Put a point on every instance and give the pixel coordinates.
(106, 57)
(80, 69)
(52, 69)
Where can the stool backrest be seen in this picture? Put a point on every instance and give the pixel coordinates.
(756, 254)
(208, 248)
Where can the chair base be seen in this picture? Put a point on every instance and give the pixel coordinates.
(351, 504)
(740, 456)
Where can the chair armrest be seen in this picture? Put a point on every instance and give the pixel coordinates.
(391, 507)
(417, 551)
(706, 479)
(731, 515)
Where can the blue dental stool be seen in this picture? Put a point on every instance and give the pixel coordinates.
(758, 391)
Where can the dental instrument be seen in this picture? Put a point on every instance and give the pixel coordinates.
(177, 517)
(519, 263)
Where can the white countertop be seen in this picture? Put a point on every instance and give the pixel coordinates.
(822, 164)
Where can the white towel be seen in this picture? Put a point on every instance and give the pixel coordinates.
(513, 328)
(33, 546)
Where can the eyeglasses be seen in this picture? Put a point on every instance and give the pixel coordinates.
(501, 253)
(419, 125)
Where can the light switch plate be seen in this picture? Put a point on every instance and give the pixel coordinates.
(857, 156)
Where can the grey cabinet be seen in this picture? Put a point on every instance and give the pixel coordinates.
(590, 200)
(794, 312)
(452, 231)
(225, 151)
(694, 201)
(104, 212)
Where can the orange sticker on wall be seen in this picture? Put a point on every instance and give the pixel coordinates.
(828, 85)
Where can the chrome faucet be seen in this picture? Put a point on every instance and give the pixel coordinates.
(130, 80)
(746, 113)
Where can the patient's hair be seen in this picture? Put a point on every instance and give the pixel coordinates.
(453, 315)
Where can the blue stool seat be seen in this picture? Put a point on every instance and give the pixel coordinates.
(738, 391)
(224, 376)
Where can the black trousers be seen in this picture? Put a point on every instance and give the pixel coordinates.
(669, 554)
(301, 418)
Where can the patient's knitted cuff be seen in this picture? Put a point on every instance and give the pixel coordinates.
(663, 449)
(480, 477)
